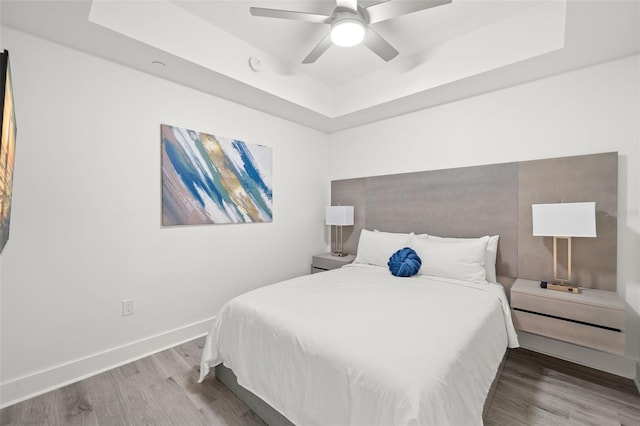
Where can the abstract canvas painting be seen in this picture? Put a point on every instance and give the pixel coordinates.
(7, 147)
(211, 179)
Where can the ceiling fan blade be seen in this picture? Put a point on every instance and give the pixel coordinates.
(290, 14)
(379, 46)
(348, 4)
(391, 9)
(317, 51)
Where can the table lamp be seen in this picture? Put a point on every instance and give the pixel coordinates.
(339, 216)
(564, 221)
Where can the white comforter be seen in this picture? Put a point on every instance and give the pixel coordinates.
(359, 346)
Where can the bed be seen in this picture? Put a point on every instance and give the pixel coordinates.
(359, 346)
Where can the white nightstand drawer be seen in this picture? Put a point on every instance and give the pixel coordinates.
(592, 318)
(597, 315)
(326, 262)
(579, 334)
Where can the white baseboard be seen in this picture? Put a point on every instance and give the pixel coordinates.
(610, 363)
(37, 383)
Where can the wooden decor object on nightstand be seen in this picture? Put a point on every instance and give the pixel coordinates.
(560, 287)
(592, 318)
(326, 262)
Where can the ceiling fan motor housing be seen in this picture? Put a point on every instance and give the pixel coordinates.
(342, 13)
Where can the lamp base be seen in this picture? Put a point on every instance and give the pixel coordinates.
(341, 254)
(560, 287)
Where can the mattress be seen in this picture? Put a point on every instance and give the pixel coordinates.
(358, 346)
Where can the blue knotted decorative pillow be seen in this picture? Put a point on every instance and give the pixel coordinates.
(404, 263)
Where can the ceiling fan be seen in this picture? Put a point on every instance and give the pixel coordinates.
(351, 24)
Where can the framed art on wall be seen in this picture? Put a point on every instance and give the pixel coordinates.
(7, 147)
(209, 179)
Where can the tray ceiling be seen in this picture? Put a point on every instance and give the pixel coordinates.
(447, 53)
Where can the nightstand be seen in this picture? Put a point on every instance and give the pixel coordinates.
(592, 318)
(326, 262)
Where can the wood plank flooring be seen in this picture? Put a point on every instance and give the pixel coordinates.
(161, 390)
(535, 389)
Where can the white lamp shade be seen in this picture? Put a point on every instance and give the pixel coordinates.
(347, 32)
(339, 215)
(564, 219)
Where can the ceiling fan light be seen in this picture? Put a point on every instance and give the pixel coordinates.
(347, 32)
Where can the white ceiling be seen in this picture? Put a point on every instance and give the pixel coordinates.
(291, 41)
(447, 53)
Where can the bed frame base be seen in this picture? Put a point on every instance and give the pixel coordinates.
(494, 385)
(266, 412)
(273, 418)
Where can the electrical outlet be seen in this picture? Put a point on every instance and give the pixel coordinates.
(127, 307)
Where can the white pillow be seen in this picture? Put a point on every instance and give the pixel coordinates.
(490, 255)
(463, 260)
(375, 248)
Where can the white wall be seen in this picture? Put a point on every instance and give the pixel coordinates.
(591, 110)
(85, 227)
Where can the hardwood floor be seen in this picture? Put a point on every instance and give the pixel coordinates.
(535, 389)
(158, 390)
(161, 390)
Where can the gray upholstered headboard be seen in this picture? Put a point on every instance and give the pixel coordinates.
(495, 199)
